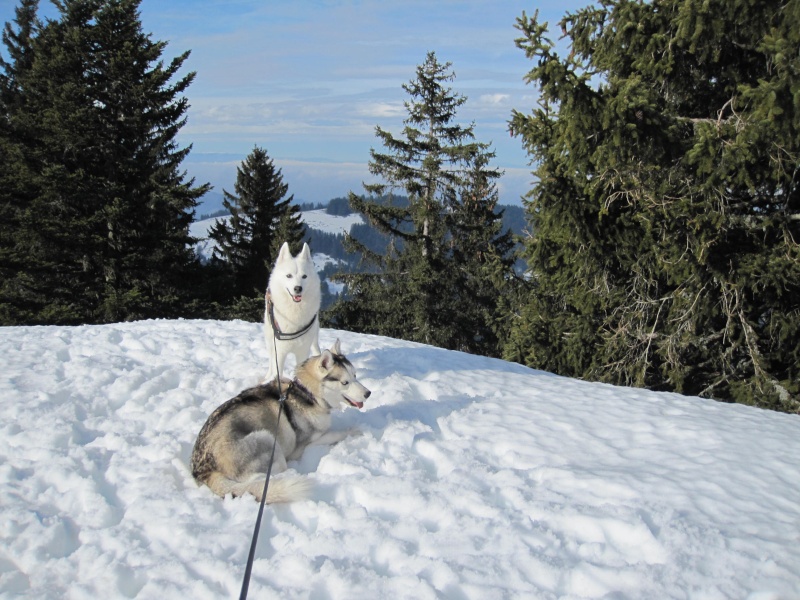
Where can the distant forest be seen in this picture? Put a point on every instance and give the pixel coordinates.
(331, 244)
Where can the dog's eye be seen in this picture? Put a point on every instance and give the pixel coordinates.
(345, 383)
(305, 276)
(289, 276)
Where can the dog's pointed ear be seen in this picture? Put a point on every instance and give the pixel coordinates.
(305, 254)
(326, 361)
(285, 252)
(336, 348)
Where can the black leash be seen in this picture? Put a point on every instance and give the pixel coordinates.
(249, 568)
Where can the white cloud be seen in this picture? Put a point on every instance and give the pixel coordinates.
(381, 110)
(494, 99)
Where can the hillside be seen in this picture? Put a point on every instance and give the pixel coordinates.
(473, 478)
(326, 233)
(318, 220)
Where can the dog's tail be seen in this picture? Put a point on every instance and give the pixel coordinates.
(281, 489)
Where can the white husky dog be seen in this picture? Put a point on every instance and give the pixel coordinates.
(291, 323)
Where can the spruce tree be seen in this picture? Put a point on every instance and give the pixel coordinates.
(262, 218)
(16, 303)
(108, 209)
(666, 214)
(414, 290)
(482, 255)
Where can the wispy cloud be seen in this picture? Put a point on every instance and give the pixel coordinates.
(494, 99)
(314, 78)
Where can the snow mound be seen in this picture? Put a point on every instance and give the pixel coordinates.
(473, 478)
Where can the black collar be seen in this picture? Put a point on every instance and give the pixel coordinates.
(276, 330)
(302, 392)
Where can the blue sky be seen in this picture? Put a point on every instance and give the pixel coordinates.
(310, 80)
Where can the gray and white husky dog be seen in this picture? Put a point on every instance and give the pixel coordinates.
(291, 322)
(232, 451)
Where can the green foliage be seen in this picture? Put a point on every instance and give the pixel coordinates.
(339, 207)
(18, 301)
(667, 209)
(100, 230)
(445, 260)
(262, 219)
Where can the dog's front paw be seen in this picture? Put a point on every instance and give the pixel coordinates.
(347, 433)
(332, 438)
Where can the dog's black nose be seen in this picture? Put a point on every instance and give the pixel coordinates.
(367, 394)
(298, 289)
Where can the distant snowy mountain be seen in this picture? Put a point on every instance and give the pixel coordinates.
(314, 219)
(211, 203)
(473, 478)
(324, 223)
(333, 224)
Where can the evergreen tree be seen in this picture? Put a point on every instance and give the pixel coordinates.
(106, 206)
(262, 219)
(412, 291)
(15, 192)
(667, 209)
(482, 258)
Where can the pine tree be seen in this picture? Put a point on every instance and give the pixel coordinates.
(413, 291)
(667, 210)
(15, 302)
(262, 219)
(482, 258)
(108, 213)
(151, 205)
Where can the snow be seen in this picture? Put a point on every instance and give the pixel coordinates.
(314, 219)
(321, 220)
(473, 478)
(204, 248)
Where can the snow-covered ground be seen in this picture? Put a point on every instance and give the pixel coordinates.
(321, 220)
(474, 478)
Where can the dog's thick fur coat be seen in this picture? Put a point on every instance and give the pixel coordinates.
(232, 451)
(291, 323)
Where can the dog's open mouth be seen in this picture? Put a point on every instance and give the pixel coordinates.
(296, 297)
(355, 404)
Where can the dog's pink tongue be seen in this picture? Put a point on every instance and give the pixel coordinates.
(297, 298)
